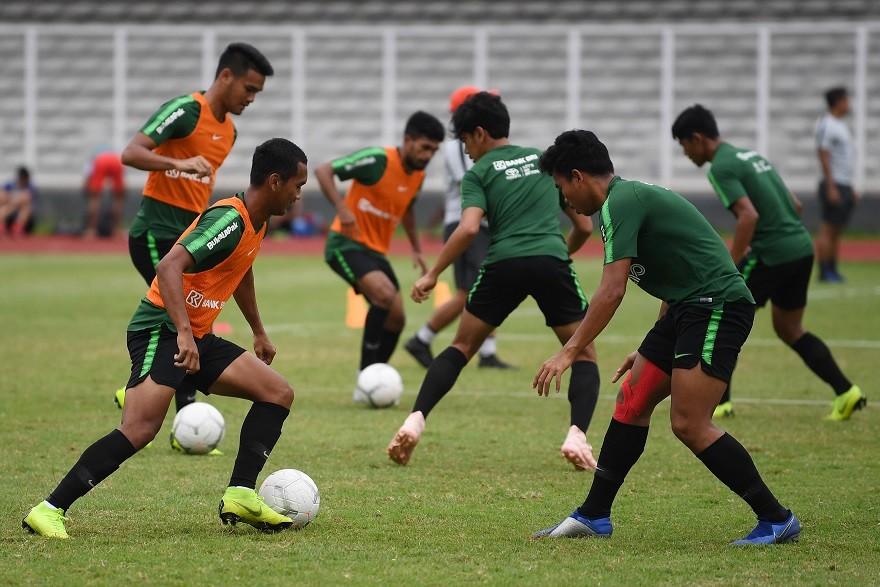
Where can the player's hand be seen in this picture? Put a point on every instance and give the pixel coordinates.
(833, 194)
(263, 348)
(187, 356)
(197, 165)
(627, 365)
(347, 220)
(419, 263)
(552, 368)
(422, 287)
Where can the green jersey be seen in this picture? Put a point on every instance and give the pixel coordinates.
(521, 204)
(676, 254)
(207, 251)
(780, 235)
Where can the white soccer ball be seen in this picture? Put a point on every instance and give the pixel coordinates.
(293, 494)
(381, 385)
(198, 428)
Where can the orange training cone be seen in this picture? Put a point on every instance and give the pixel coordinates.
(442, 294)
(355, 309)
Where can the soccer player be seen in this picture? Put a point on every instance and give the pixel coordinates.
(834, 146)
(467, 265)
(171, 345)
(182, 146)
(659, 241)
(770, 246)
(385, 182)
(104, 167)
(528, 256)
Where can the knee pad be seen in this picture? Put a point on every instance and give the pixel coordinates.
(633, 401)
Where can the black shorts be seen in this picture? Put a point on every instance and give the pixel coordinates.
(785, 284)
(146, 252)
(467, 266)
(351, 265)
(152, 353)
(503, 285)
(837, 214)
(692, 333)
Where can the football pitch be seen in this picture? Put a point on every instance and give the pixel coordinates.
(486, 474)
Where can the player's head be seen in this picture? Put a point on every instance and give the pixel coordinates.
(279, 170)
(696, 131)
(421, 139)
(241, 73)
(479, 121)
(581, 167)
(23, 176)
(837, 100)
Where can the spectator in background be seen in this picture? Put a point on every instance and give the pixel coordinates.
(17, 203)
(105, 167)
(836, 194)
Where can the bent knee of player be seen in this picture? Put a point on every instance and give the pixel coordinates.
(396, 319)
(588, 353)
(140, 433)
(629, 409)
(689, 428)
(384, 297)
(280, 393)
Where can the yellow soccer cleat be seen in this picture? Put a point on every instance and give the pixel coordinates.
(240, 504)
(847, 403)
(119, 398)
(45, 520)
(724, 410)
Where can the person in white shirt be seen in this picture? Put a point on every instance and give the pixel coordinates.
(467, 266)
(834, 144)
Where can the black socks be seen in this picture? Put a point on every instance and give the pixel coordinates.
(387, 344)
(259, 433)
(371, 343)
(439, 379)
(96, 464)
(583, 392)
(818, 358)
(730, 462)
(622, 447)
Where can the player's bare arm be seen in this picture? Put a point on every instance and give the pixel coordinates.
(460, 239)
(246, 298)
(603, 305)
(408, 221)
(581, 229)
(746, 223)
(327, 183)
(140, 154)
(169, 272)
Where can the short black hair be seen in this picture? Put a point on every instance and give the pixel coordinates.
(276, 156)
(23, 173)
(242, 57)
(421, 124)
(695, 119)
(835, 95)
(485, 110)
(577, 149)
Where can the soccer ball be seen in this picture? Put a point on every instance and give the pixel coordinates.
(293, 494)
(198, 428)
(381, 384)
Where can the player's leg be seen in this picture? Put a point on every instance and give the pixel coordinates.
(230, 371)
(698, 381)
(23, 208)
(94, 188)
(642, 389)
(419, 346)
(385, 317)
(789, 304)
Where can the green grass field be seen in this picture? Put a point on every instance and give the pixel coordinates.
(487, 473)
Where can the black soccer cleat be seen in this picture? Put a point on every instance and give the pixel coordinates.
(420, 351)
(493, 362)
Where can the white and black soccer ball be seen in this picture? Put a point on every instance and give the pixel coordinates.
(293, 494)
(198, 428)
(380, 384)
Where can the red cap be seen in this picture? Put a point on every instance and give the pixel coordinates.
(457, 97)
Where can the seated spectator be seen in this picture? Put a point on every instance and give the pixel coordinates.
(17, 203)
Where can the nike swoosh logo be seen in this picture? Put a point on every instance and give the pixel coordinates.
(682, 355)
(216, 137)
(371, 346)
(251, 511)
(266, 454)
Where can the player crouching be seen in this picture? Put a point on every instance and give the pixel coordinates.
(171, 346)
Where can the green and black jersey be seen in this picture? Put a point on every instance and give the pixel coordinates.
(676, 254)
(521, 204)
(210, 242)
(780, 236)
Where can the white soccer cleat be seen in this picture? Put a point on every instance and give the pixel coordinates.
(577, 450)
(403, 444)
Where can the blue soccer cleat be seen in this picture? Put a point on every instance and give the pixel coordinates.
(578, 526)
(766, 532)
